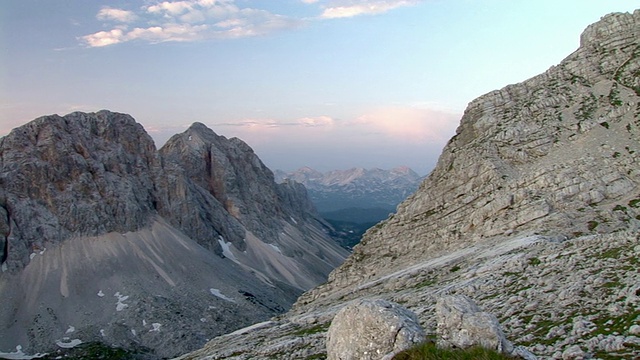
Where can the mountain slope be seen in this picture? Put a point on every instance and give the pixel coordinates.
(88, 206)
(533, 210)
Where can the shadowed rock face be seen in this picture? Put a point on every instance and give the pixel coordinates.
(94, 184)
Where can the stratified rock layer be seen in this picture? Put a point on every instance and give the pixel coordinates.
(532, 211)
(556, 154)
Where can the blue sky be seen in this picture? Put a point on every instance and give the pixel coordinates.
(330, 84)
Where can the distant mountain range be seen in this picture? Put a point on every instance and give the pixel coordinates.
(354, 200)
(355, 188)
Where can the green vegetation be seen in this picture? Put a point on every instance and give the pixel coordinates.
(312, 330)
(616, 155)
(604, 124)
(635, 203)
(534, 261)
(454, 268)
(620, 208)
(429, 351)
(592, 225)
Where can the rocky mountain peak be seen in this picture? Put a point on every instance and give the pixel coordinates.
(196, 236)
(81, 174)
(550, 155)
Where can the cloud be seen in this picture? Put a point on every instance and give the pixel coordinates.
(108, 13)
(345, 9)
(411, 124)
(104, 38)
(188, 20)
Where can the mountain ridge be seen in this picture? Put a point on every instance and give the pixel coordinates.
(355, 187)
(95, 182)
(532, 211)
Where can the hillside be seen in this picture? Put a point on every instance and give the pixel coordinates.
(533, 211)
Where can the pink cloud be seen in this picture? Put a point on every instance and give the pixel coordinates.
(410, 123)
(351, 9)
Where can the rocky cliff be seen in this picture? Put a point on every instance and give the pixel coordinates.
(105, 239)
(533, 210)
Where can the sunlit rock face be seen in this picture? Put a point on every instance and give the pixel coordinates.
(105, 239)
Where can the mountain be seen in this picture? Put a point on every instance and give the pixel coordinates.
(354, 200)
(533, 211)
(355, 188)
(107, 240)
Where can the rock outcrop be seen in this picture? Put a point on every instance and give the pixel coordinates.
(461, 324)
(372, 330)
(532, 211)
(196, 237)
(555, 155)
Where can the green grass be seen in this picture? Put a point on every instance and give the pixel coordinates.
(312, 330)
(429, 351)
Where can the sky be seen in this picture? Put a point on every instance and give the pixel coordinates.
(329, 84)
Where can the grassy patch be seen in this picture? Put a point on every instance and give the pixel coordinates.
(454, 268)
(312, 330)
(429, 351)
(635, 203)
(534, 261)
(592, 225)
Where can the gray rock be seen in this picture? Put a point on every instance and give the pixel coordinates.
(86, 200)
(573, 352)
(372, 329)
(462, 324)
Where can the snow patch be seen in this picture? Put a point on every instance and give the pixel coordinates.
(68, 344)
(156, 327)
(70, 329)
(276, 248)
(203, 320)
(294, 220)
(31, 256)
(252, 327)
(217, 293)
(120, 305)
(144, 322)
(133, 331)
(19, 355)
(100, 293)
(4, 267)
(226, 249)
(42, 251)
(102, 333)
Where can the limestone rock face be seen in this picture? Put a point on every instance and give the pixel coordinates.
(82, 174)
(462, 324)
(532, 211)
(556, 154)
(371, 330)
(88, 206)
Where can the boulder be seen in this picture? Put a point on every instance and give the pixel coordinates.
(462, 324)
(372, 329)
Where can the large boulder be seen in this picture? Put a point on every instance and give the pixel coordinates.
(462, 324)
(372, 329)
